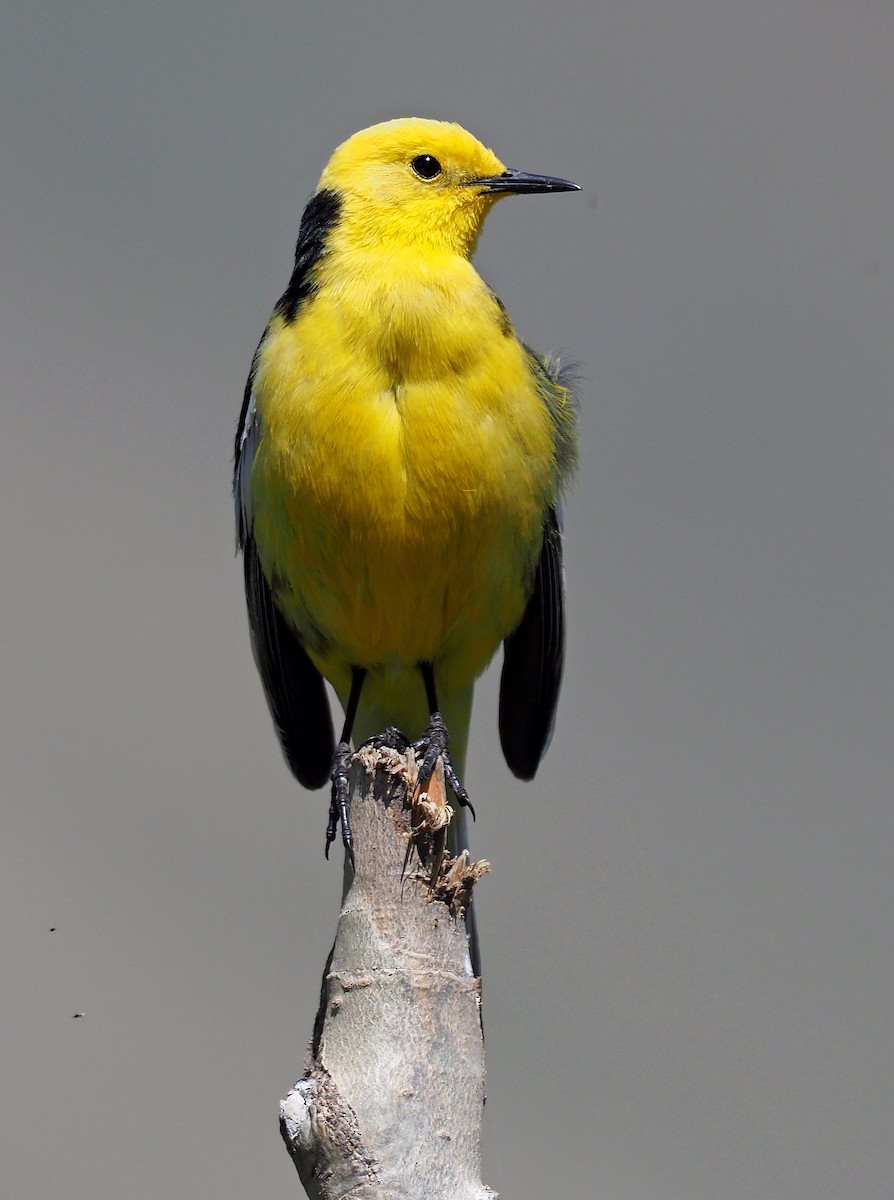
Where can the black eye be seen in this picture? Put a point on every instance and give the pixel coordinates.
(426, 166)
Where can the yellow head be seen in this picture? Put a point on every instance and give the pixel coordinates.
(424, 182)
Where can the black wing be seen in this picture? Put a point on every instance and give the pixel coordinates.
(533, 655)
(293, 686)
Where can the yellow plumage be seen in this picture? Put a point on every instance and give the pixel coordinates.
(400, 447)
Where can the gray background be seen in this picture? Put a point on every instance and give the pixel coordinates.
(688, 932)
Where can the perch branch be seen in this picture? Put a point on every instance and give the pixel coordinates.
(391, 1101)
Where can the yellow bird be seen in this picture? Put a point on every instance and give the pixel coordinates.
(399, 459)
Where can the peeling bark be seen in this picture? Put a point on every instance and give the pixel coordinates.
(391, 1102)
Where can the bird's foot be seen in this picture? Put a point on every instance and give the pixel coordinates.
(431, 746)
(338, 805)
(389, 739)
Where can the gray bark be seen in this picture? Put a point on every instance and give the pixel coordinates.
(390, 1105)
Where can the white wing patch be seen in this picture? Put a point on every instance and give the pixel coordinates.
(248, 445)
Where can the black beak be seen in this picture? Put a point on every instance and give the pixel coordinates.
(522, 183)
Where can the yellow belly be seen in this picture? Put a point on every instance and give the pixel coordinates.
(398, 512)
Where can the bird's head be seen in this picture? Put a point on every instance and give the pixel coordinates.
(419, 182)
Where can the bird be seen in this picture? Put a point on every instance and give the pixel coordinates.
(399, 464)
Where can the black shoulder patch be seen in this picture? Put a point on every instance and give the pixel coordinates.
(320, 216)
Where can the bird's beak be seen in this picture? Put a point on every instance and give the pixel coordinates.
(522, 182)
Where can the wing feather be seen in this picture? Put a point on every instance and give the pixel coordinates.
(533, 656)
(293, 686)
(296, 694)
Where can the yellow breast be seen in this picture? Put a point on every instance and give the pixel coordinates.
(403, 472)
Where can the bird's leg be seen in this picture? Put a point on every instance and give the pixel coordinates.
(434, 744)
(338, 805)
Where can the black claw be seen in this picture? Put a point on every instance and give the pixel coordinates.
(338, 805)
(389, 739)
(462, 796)
(434, 745)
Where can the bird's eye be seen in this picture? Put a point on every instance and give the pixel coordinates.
(426, 166)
